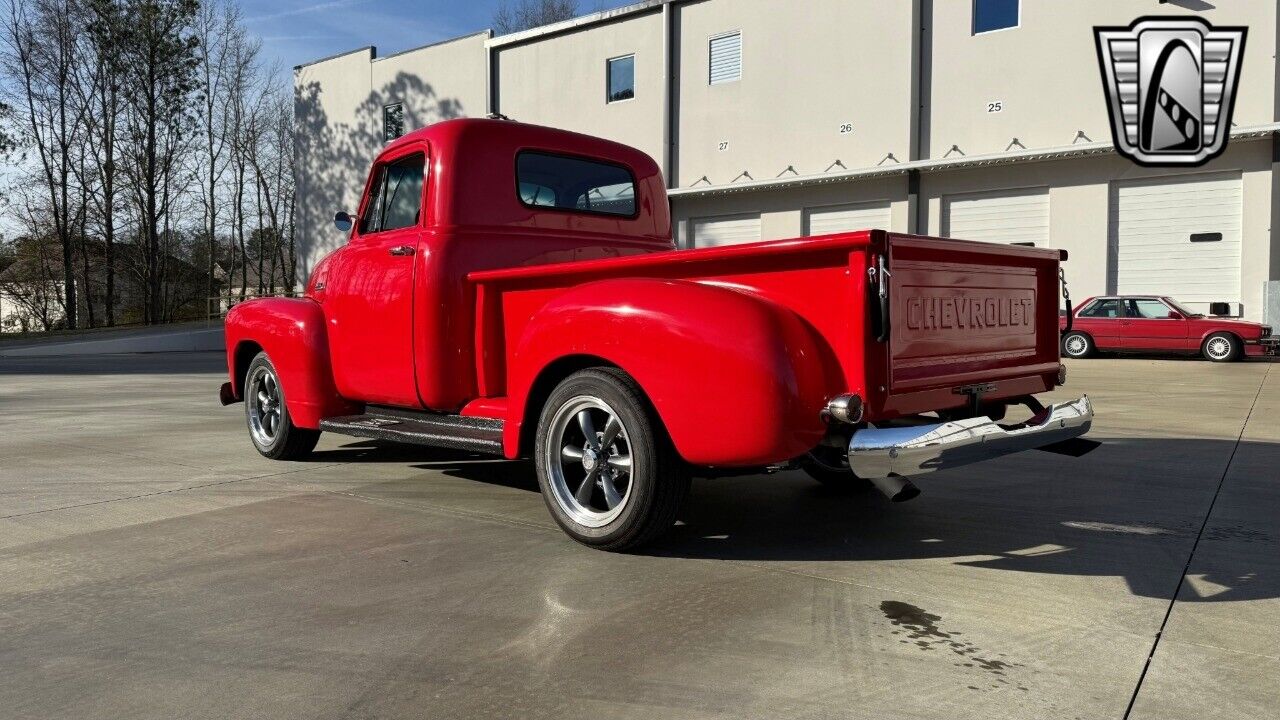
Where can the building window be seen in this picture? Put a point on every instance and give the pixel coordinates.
(392, 122)
(989, 15)
(622, 79)
(575, 184)
(726, 58)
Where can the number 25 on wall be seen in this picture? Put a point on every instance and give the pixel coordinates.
(995, 107)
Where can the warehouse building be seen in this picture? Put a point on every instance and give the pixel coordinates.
(980, 119)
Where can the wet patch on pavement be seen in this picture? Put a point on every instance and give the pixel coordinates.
(921, 629)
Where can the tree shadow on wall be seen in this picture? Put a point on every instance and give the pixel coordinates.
(333, 157)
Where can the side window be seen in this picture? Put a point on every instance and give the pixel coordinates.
(371, 220)
(1150, 309)
(1102, 309)
(577, 184)
(395, 201)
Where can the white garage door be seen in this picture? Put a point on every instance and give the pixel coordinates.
(1006, 216)
(725, 230)
(846, 218)
(1179, 237)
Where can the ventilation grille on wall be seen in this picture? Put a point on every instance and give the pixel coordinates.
(726, 58)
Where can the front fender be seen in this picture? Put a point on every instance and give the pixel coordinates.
(737, 379)
(292, 333)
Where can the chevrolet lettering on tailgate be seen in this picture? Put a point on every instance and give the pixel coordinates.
(962, 312)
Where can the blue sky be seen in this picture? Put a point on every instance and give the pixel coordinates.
(299, 31)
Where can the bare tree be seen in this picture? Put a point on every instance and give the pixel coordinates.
(41, 54)
(160, 60)
(243, 85)
(98, 87)
(219, 31)
(516, 15)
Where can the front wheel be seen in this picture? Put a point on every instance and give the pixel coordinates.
(270, 427)
(1222, 347)
(1077, 345)
(607, 469)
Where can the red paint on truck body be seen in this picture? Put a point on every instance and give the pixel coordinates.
(737, 348)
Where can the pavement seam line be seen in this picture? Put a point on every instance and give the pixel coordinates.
(160, 492)
(1168, 612)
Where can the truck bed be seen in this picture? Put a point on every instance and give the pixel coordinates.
(958, 312)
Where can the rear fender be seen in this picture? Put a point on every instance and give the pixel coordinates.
(292, 333)
(736, 379)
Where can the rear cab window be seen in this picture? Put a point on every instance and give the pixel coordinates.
(395, 198)
(562, 182)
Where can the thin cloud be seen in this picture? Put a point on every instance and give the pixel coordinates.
(307, 9)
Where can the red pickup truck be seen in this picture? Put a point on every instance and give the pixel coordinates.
(514, 290)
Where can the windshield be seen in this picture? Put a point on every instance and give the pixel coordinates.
(1174, 304)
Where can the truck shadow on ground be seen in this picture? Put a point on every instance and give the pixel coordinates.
(1133, 509)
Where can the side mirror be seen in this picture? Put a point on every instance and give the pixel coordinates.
(343, 221)
(1175, 315)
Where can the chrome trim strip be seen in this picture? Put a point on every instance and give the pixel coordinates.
(919, 449)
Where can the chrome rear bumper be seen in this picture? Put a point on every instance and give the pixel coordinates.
(907, 451)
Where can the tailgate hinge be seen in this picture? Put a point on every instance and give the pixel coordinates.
(1066, 298)
(878, 274)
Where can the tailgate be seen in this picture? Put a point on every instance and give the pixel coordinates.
(964, 313)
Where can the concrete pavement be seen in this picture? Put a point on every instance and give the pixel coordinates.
(156, 566)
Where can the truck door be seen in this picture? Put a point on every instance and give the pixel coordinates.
(369, 293)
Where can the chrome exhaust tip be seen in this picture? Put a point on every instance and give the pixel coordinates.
(896, 488)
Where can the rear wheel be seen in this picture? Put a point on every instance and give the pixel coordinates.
(1077, 345)
(608, 472)
(830, 467)
(270, 427)
(1222, 347)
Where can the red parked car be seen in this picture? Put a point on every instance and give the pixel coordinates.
(514, 290)
(1157, 323)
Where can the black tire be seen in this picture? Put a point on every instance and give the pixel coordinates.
(270, 428)
(654, 487)
(831, 468)
(1222, 347)
(1077, 344)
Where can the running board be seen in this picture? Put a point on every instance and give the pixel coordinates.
(456, 432)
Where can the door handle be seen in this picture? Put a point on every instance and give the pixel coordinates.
(402, 250)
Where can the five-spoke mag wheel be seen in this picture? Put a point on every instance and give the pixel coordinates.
(607, 470)
(265, 412)
(264, 405)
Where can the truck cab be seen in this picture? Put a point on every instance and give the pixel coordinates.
(514, 290)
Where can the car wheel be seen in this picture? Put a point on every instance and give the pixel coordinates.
(830, 467)
(1222, 347)
(270, 427)
(1077, 345)
(608, 472)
